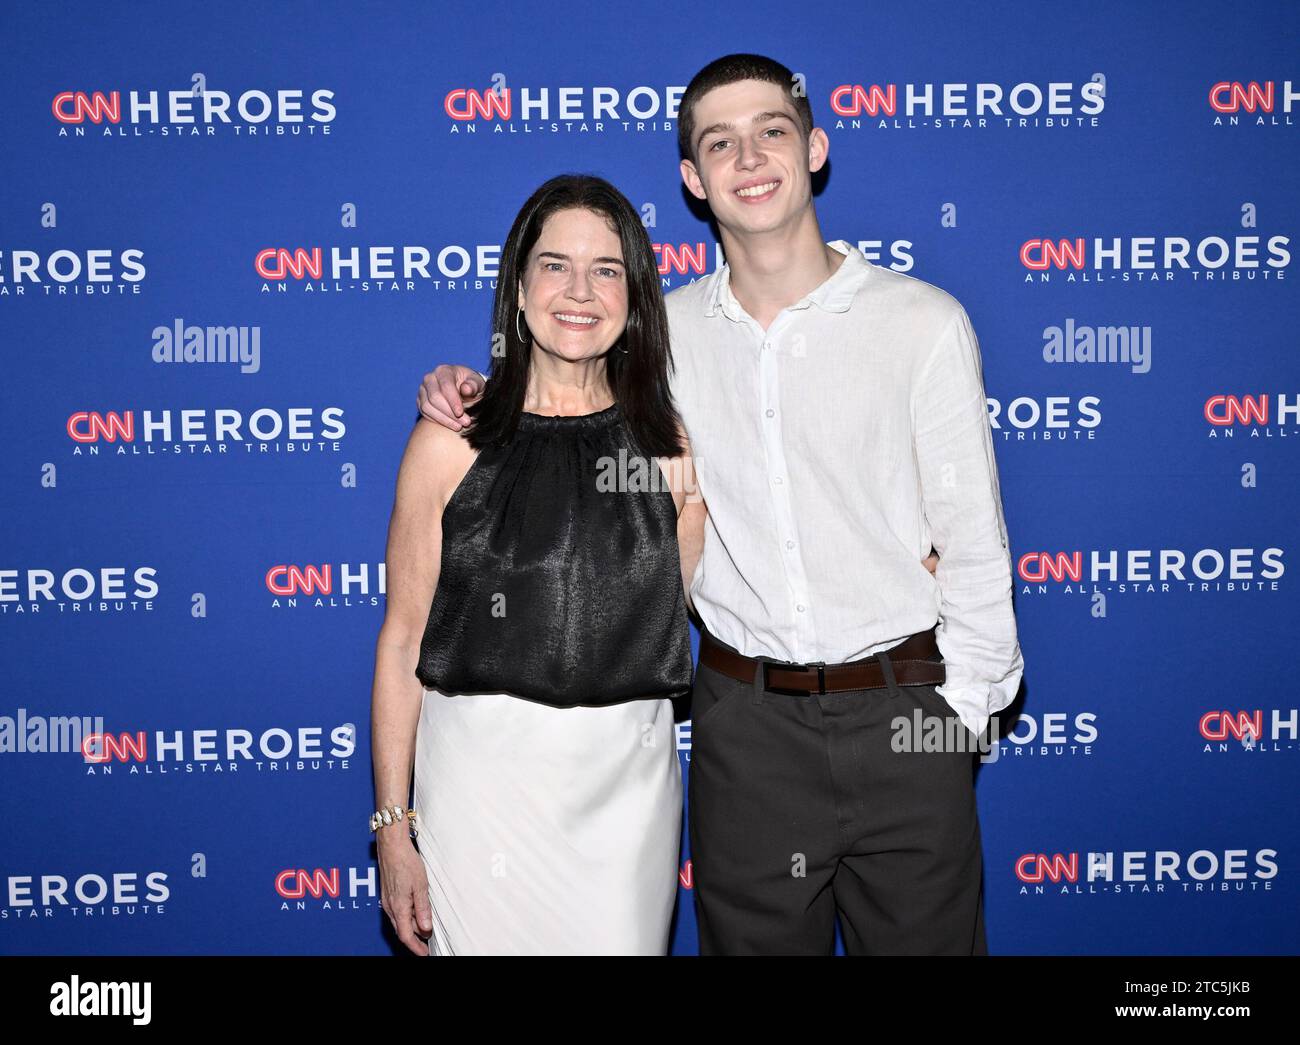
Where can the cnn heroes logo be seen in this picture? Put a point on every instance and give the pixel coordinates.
(1262, 415)
(503, 107)
(273, 749)
(1054, 418)
(1223, 731)
(117, 893)
(1149, 570)
(326, 585)
(1055, 734)
(70, 273)
(198, 111)
(160, 752)
(77, 590)
(326, 888)
(968, 106)
(1138, 872)
(1152, 259)
(206, 431)
(1266, 104)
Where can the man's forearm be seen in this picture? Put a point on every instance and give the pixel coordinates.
(962, 503)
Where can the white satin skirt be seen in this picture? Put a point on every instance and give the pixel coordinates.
(547, 830)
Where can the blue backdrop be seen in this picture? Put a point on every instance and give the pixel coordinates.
(325, 187)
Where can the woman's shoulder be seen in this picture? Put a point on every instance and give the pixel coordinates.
(430, 441)
(436, 458)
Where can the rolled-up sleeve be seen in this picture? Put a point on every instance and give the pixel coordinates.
(962, 503)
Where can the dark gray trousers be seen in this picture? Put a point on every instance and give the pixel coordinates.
(800, 808)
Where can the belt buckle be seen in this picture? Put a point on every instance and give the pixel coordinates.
(820, 665)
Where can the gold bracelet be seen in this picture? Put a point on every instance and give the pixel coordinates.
(392, 815)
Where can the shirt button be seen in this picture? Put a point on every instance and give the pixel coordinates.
(767, 344)
(778, 480)
(800, 607)
(769, 411)
(789, 544)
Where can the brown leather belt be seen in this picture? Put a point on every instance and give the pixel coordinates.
(916, 662)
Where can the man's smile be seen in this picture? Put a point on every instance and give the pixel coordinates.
(758, 190)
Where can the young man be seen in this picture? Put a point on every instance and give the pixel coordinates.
(837, 418)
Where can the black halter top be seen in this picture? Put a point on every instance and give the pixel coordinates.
(560, 579)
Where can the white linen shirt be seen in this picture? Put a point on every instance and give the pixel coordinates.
(833, 449)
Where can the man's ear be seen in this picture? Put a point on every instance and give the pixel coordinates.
(691, 179)
(819, 147)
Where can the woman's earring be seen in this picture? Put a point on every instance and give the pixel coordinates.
(517, 330)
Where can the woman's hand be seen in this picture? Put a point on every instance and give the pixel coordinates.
(404, 889)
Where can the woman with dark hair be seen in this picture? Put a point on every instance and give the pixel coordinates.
(535, 631)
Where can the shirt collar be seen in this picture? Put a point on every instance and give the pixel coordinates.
(834, 295)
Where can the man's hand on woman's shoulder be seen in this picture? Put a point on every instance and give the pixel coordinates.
(446, 391)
